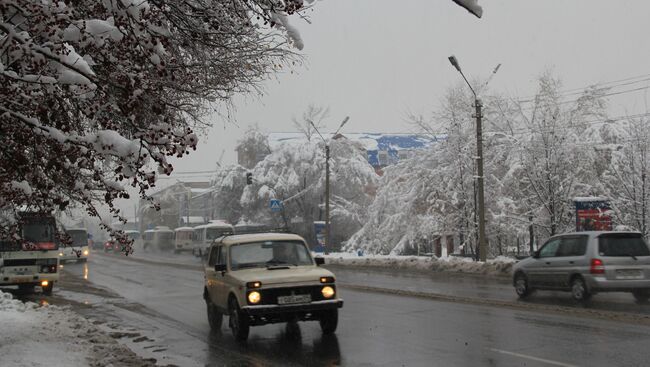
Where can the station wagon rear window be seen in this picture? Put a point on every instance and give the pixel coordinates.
(622, 244)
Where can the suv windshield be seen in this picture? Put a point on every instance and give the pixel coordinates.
(625, 244)
(269, 253)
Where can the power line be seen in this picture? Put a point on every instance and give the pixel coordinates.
(603, 85)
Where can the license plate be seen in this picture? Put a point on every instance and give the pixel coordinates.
(629, 274)
(21, 280)
(298, 298)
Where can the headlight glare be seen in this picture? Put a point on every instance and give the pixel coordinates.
(328, 292)
(254, 297)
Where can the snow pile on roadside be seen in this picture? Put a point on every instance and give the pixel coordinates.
(33, 335)
(499, 266)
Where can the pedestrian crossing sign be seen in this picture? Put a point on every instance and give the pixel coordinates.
(275, 205)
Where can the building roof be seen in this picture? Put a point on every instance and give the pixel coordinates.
(370, 141)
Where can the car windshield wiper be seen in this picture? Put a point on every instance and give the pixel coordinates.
(251, 265)
(278, 264)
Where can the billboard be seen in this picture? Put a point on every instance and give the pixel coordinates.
(593, 214)
(319, 229)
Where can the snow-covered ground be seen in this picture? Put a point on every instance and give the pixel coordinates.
(498, 266)
(35, 335)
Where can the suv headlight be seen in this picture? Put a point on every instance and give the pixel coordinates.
(328, 292)
(254, 297)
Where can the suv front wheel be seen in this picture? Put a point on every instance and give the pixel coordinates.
(215, 318)
(238, 321)
(329, 321)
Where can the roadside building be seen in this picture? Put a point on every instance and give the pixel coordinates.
(381, 149)
(175, 207)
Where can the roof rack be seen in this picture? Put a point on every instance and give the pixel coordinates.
(258, 230)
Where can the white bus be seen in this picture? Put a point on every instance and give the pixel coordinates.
(160, 238)
(34, 261)
(205, 234)
(78, 250)
(183, 239)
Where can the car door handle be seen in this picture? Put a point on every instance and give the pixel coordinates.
(548, 263)
(570, 262)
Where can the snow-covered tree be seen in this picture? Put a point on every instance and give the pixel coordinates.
(549, 163)
(227, 188)
(312, 117)
(97, 94)
(536, 158)
(252, 147)
(431, 193)
(295, 173)
(624, 152)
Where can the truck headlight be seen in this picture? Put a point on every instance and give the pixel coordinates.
(328, 292)
(85, 252)
(254, 297)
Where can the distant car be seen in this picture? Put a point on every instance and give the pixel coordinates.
(267, 278)
(112, 245)
(586, 263)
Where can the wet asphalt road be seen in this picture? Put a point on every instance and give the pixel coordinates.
(375, 329)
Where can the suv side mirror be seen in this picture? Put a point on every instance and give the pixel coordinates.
(536, 254)
(220, 268)
(319, 261)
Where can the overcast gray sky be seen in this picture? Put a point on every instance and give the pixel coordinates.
(375, 60)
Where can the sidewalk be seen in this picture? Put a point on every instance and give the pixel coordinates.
(500, 266)
(35, 335)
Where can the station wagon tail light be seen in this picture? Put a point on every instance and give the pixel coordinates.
(327, 279)
(254, 285)
(597, 266)
(254, 297)
(45, 283)
(328, 292)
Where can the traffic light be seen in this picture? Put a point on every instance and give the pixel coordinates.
(249, 178)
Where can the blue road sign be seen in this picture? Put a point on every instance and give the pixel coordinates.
(275, 205)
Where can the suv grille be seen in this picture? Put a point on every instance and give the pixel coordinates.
(270, 296)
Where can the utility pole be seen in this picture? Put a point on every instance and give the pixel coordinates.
(479, 158)
(531, 234)
(328, 237)
(480, 179)
(327, 198)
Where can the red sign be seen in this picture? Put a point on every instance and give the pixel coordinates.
(593, 220)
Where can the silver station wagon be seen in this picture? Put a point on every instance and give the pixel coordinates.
(586, 263)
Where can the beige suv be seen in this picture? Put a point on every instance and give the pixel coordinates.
(267, 278)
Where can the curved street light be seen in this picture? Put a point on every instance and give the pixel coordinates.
(327, 180)
(479, 159)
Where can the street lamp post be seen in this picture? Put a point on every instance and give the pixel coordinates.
(327, 181)
(479, 159)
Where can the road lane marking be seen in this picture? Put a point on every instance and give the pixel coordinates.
(547, 361)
